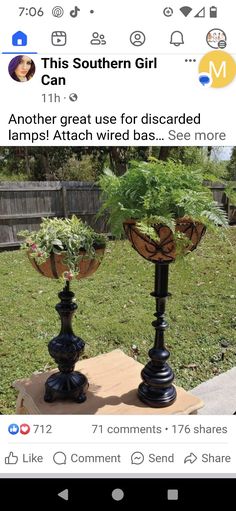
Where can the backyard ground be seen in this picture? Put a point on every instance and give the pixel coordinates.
(115, 310)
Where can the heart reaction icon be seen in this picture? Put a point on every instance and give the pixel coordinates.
(24, 429)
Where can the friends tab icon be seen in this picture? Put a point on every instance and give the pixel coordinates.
(97, 39)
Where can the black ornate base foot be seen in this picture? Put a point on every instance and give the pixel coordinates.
(157, 389)
(66, 386)
(156, 398)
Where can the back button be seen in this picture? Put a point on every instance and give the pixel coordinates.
(64, 494)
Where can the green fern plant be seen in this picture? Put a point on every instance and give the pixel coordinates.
(158, 192)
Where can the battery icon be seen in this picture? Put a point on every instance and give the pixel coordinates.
(213, 12)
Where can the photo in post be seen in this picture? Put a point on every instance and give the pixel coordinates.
(107, 226)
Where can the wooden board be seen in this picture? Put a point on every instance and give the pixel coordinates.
(114, 378)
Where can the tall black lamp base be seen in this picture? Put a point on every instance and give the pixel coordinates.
(157, 390)
(66, 349)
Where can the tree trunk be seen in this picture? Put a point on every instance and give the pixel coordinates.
(46, 167)
(209, 151)
(27, 164)
(164, 153)
(118, 160)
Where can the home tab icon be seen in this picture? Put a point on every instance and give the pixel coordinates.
(19, 39)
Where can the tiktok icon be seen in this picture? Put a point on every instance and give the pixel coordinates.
(74, 13)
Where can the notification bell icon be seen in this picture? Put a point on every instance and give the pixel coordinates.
(177, 38)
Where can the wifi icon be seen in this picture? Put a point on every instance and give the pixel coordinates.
(186, 10)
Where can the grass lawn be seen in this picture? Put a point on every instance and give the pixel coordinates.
(115, 311)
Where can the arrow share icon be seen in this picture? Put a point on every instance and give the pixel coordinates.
(191, 458)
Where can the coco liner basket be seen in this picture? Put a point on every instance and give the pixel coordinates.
(54, 267)
(164, 250)
(156, 389)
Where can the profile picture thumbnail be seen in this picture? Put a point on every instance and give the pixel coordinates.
(21, 68)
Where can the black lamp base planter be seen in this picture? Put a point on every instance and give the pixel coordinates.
(66, 349)
(157, 390)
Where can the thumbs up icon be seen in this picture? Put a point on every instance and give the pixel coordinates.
(11, 459)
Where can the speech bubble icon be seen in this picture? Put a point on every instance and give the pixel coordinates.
(137, 458)
(205, 79)
(59, 458)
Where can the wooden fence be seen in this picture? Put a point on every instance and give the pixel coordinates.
(23, 204)
(219, 196)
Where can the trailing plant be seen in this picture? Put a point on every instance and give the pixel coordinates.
(69, 236)
(159, 192)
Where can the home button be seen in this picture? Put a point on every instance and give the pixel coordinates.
(117, 494)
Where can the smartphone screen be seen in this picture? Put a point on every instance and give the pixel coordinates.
(117, 251)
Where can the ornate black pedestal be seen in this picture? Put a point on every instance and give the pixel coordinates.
(157, 389)
(66, 349)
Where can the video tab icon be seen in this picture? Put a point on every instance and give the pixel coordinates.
(59, 38)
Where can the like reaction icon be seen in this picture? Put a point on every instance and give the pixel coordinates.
(13, 429)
